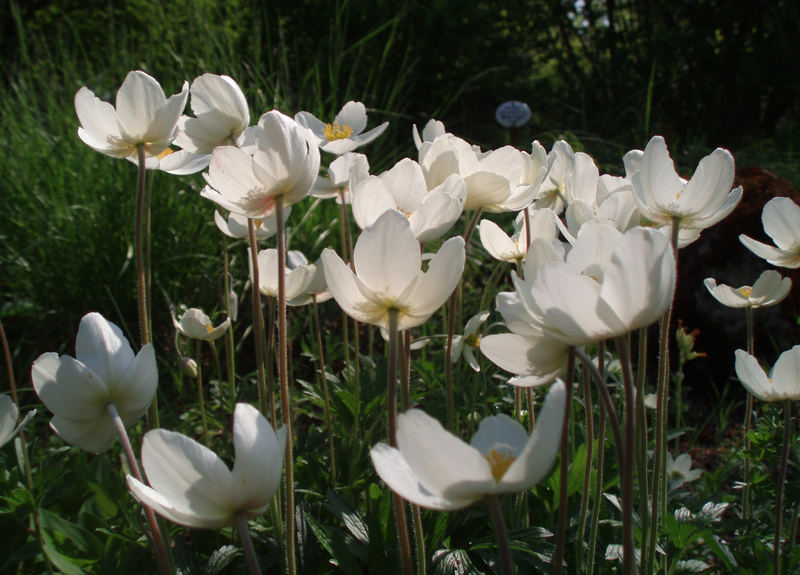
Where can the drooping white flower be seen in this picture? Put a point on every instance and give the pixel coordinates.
(221, 116)
(104, 370)
(195, 324)
(783, 382)
(467, 343)
(781, 219)
(316, 290)
(435, 469)
(283, 163)
(430, 213)
(388, 274)
(770, 289)
(235, 226)
(346, 133)
(143, 116)
(344, 173)
(297, 277)
(663, 196)
(192, 486)
(514, 248)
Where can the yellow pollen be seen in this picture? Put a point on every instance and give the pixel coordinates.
(499, 463)
(209, 328)
(336, 132)
(165, 153)
(257, 223)
(745, 291)
(679, 194)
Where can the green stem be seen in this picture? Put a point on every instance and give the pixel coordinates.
(283, 376)
(641, 442)
(501, 533)
(561, 533)
(141, 281)
(198, 349)
(787, 439)
(748, 419)
(156, 540)
(597, 496)
(258, 321)
(628, 559)
(229, 342)
(240, 521)
(326, 395)
(587, 472)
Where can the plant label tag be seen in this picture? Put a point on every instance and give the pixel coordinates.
(512, 114)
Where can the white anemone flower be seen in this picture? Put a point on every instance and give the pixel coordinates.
(432, 130)
(467, 343)
(388, 274)
(283, 163)
(195, 324)
(236, 226)
(608, 284)
(663, 196)
(430, 213)
(770, 289)
(297, 278)
(192, 486)
(560, 162)
(104, 370)
(344, 173)
(514, 248)
(783, 382)
(781, 219)
(316, 290)
(8, 419)
(679, 470)
(346, 133)
(221, 116)
(435, 469)
(143, 117)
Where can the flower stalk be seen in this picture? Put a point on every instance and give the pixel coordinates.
(501, 533)
(787, 439)
(258, 323)
(247, 544)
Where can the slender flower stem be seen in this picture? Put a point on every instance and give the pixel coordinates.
(156, 540)
(258, 322)
(269, 355)
(748, 419)
(391, 389)
(451, 329)
(787, 439)
(598, 483)
(641, 442)
(561, 534)
(587, 471)
(283, 376)
(326, 395)
(240, 522)
(141, 281)
(200, 396)
(229, 342)
(148, 266)
(501, 533)
(628, 559)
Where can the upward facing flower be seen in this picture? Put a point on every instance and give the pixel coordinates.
(663, 196)
(435, 469)
(143, 116)
(104, 371)
(388, 274)
(192, 486)
(781, 219)
(283, 163)
(346, 133)
(770, 289)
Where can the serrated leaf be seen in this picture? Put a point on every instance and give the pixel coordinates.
(221, 558)
(350, 517)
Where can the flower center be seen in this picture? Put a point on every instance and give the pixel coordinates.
(336, 132)
(499, 463)
(209, 328)
(745, 291)
(473, 340)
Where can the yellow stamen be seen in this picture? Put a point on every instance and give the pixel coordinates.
(209, 328)
(473, 340)
(499, 463)
(257, 223)
(336, 132)
(165, 153)
(745, 291)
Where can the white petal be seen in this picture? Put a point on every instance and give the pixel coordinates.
(753, 377)
(785, 374)
(138, 101)
(781, 219)
(770, 288)
(499, 430)
(94, 435)
(497, 243)
(163, 507)
(135, 392)
(353, 115)
(69, 388)
(8, 418)
(386, 255)
(349, 291)
(101, 347)
(259, 459)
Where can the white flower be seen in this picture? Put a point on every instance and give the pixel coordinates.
(344, 173)
(8, 419)
(297, 278)
(104, 371)
(467, 344)
(432, 130)
(783, 382)
(388, 274)
(192, 486)
(430, 213)
(514, 248)
(316, 290)
(770, 289)
(781, 219)
(435, 469)
(222, 116)
(143, 116)
(679, 470)
(662, 195)
(236, 225)
(283, 163)
(195, 324)
(345, 133)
